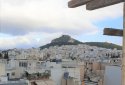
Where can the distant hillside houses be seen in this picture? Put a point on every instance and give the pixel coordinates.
(79, 52)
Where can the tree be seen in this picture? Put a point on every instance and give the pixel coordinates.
(1, 55)
(6, 55)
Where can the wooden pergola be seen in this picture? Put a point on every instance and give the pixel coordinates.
(95, 4)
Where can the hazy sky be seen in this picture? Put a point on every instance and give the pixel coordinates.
(32, 23)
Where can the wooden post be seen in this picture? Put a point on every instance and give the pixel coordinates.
(123, 59)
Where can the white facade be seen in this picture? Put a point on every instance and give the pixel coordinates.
(2, 68)
(112, 75)
(3, 76)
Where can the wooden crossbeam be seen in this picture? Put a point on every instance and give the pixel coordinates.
(113, 32)
(92, 4)
(76, 3)
(95, 4)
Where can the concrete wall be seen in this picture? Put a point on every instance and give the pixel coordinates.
(3, 79)
(56, 75)
(112, 75)
(69, 82)
(81, 72)
(15, 73)
(42, 82)
(2, 69)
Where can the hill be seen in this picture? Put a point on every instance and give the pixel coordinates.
(63, 40)
(67, 40)
(104, 45)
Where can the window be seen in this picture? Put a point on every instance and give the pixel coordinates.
(13, 73)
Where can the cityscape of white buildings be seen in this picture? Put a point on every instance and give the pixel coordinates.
(58, 65)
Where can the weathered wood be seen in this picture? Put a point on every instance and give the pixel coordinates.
(95, 4)
(113, 32)
(76, 3)
(123, 48)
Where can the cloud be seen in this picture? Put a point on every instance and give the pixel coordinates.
(77, 28)
(19, 17)
(27, 41)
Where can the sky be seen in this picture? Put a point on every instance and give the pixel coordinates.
(33, 23)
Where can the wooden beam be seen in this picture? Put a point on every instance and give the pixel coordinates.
(76, 3)
(113, 32)
(95, 4)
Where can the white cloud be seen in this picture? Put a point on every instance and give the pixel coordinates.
(26, 41)
(35, 15)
